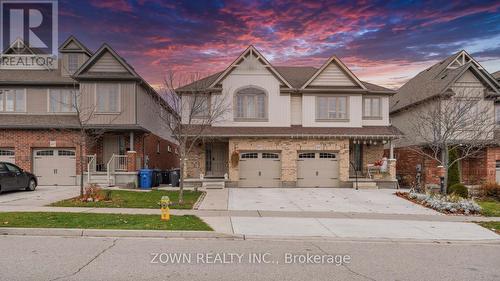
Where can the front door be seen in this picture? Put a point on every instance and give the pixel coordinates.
(110, 146)
(216, 159)
(356, 159)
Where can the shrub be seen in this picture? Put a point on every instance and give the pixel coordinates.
(459, 190)
(490, 189)
(92, 193)
(453, 171)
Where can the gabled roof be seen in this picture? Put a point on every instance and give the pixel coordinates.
(73, 45)
(344, 69)
(435, 80)
(250, 51)
(18, 47)
(295, 76)
(105, 48)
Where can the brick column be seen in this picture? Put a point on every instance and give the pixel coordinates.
(131, 161)
(392, 168)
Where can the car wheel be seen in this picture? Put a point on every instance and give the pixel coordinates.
(31, 185)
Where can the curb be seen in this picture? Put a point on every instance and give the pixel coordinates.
(72, 232)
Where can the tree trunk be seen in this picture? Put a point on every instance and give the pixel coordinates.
(181, 182)
(446, 165)
(82, 159)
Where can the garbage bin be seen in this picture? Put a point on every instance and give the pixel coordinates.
(156, 178)
(165, 176)
(175, 175)
(145, 178)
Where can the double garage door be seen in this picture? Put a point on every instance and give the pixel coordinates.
(55, 166)
(314, 169)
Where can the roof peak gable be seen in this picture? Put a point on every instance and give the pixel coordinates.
(105, 48)
(250, 51)
(347, 72)
(64, 47)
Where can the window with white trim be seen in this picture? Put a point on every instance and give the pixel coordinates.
(62, 100)
(331, 108)
(72, 63)
(108, 98)
(12, 100)
(200, 105)
(372, 107)
(251, 103)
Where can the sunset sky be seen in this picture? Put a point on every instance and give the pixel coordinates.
(382, 43)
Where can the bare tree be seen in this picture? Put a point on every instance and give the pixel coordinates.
(460, 120)
(87, 133)
(189, 115)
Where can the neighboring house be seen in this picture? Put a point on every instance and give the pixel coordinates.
(457, 74)
(496, 75)
(39, 124)
(292, 126)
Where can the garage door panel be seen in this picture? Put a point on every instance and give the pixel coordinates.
(7, 155)
(317, 169)
(55, 167)
(258, 169)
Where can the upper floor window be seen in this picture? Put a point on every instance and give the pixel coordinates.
(12, 100)
(62, 100)
(108, 98)
(72, 63)
(200, 105)
(372, 107)
(331, 108)
(251, 103)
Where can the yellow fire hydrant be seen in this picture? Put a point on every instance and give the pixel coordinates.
(165, 211)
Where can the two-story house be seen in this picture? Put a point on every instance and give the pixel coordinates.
(292, 126)
(42, 113)
(459, 76)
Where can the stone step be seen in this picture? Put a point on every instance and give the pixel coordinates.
(365, 185)
(213, 184)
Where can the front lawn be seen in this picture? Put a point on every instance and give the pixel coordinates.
(491, 225)
(100, 221)
(135, 199)
(490, 208)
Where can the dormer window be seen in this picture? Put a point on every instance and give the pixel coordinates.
(251, 105)
(72, 63)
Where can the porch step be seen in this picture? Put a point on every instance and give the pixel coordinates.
(213, 184)
(365, 185)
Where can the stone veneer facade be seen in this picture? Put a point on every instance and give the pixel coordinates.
(289, 148)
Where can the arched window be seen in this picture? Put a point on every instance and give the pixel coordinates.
(251, 103)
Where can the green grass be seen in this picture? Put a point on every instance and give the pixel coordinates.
(136, 199)
(100, 221)
(490, 208)
(491, 225)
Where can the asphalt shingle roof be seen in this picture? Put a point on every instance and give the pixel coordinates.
(297, 76)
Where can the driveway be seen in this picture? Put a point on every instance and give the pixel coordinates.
(42, 196)
(381, 201)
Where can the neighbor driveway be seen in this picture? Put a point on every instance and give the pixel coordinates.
(382, 201)
(43, 195)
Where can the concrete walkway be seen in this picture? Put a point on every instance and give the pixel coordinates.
(296, 213)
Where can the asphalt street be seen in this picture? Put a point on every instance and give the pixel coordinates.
(79, 258)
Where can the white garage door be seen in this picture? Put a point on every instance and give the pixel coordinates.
(260, 169)
(7, 155)
(55, 166)
(317, 169)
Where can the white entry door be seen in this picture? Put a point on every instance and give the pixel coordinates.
(55, 166)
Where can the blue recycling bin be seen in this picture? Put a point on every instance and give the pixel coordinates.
(145, 178)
